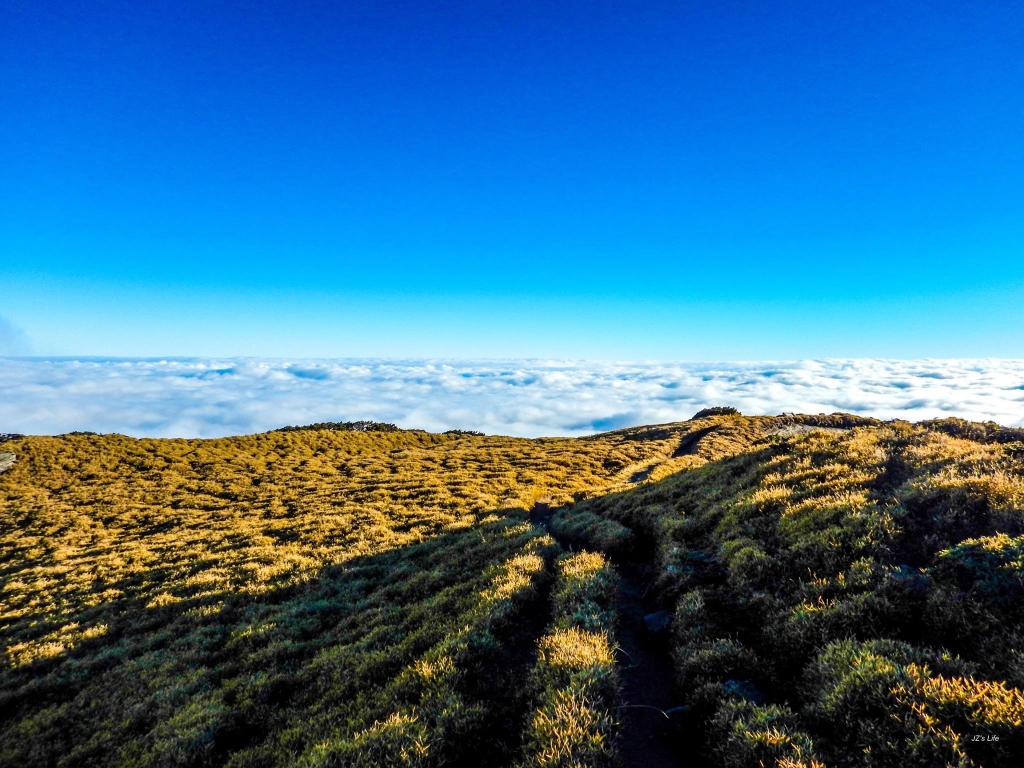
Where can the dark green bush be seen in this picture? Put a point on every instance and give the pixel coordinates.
(717, 410)
(344, 426)
(881, 565)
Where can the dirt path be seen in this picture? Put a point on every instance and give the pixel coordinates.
(649, 738)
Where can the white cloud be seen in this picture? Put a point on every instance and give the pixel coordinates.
(207, 398)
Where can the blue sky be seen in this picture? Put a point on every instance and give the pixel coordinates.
(715, 180)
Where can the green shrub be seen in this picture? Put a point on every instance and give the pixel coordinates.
(990, 568)
(344, 597)
(899, 703)
(745, 734)
(982, 432)
(344, 426)
(782, 554)
(717, 410)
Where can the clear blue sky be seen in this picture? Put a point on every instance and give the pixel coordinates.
(686, 180)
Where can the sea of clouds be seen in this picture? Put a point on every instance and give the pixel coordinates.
(210, 398)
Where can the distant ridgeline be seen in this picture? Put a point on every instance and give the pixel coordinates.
(832, 590)
(344, 426)
(367, 426)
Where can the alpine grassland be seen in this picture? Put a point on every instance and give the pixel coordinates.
(317, 597)
(843, 592)
(840, 591)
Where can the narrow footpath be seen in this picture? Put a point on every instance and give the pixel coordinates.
(650, 707)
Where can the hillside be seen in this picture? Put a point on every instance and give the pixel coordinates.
(833, 591)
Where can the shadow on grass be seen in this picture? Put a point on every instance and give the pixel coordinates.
(233, 678)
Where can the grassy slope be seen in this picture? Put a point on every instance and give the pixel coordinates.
(270, 599)
(841, 596)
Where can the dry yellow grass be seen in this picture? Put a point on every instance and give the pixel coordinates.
(843, 589)
(243, 600)
(91, 520)
(789, 549)
(574, 723)
(575, 649)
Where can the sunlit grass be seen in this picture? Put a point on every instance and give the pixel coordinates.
(841, 596)
(574, 723)
(844, 592)
(252, 600)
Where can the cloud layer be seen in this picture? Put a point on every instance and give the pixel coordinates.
(209, 398)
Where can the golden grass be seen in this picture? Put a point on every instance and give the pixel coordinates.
(983, 702)
(572, 730)
(784, 542)
(846, 592)
(574, 723)
(575, 649)
(242, 600)
(89, 520)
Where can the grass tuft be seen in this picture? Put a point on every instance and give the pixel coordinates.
(574, 722)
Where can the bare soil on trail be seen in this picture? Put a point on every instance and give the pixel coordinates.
(650, 714)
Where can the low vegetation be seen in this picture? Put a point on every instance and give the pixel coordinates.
(304, 595)
(590, 530)
(574, 723)
(343, 426)
(843, 592)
